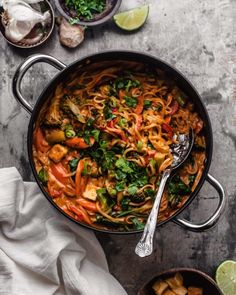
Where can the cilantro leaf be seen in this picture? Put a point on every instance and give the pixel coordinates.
(125, 204)
(108, 113)
(95, 133)
(138, 224)
(85, 8)
(132, 189)
(120, 186)
(131, 101)
(147, 104)
(124, 165)
(43, 176)
(73, 164)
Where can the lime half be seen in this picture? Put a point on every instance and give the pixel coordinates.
(132, 19)
(226, 277)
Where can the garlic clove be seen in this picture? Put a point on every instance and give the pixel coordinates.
(24, 12)
(17, 30)
(21, 18)
(70, 35)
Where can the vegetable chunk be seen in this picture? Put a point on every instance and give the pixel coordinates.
(159, 287)
(91, 189)
(54, 135)
(195, 291)
(57, 153)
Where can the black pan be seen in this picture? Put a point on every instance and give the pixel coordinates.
(170, 71)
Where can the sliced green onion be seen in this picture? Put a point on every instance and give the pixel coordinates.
(70, 133)
(181, 100)
(139, 146)
(153, 163)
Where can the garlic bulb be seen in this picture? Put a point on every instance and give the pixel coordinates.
(70, 35)
(21, 18)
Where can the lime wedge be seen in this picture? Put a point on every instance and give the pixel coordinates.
(132, 19)
(226, 277)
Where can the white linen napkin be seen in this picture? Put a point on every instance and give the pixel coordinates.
(41, 251)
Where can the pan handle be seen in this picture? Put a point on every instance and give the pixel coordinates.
(215, 217)
(23, 68)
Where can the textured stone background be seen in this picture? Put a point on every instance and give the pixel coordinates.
(198, 37)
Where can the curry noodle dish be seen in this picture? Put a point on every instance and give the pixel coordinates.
(103, 139)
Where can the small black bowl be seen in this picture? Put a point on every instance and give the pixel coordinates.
(46, 6)
(192, 277)
(111, 8)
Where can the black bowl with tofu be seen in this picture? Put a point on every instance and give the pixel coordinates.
(181, 281)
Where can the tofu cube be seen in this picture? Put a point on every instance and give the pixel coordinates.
(57, 153)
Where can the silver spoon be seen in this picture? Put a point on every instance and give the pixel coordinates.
(180, 152)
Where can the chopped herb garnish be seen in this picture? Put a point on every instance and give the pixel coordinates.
(95, 133)
(108, 113)
(131, 101)
(90, 122)
(191, 179)
(120, 175)
(132, 189)
(181, 100)
(105, 201)
(120, 186)
(147, 104)
(86, 137)
(139, 146)
(73, 164)
(103, 144)
(122, 122)
(153, 163)
(139, 225)
(125, 204)
(124, 165)
(125, 83)
(137, 198)
(176, 189)
(149, 192)
(86, 8)
(43, 175)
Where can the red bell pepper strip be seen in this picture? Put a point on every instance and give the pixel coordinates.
(121, 94)
(118, 132)
(110, 127)
(199, 126)
(174, 107)
(139, 122)
(40, 143)
(149, 156)
(78, 177)
(79, 143)
(81, 213)
(139, 108)
(54, 193)
(168, 129)
(89, 205)
(167, 120)
(59, 171)
(110, 124)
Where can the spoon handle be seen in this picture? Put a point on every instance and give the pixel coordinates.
(145, 245)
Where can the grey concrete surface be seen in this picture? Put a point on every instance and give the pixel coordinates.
(197, 37)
